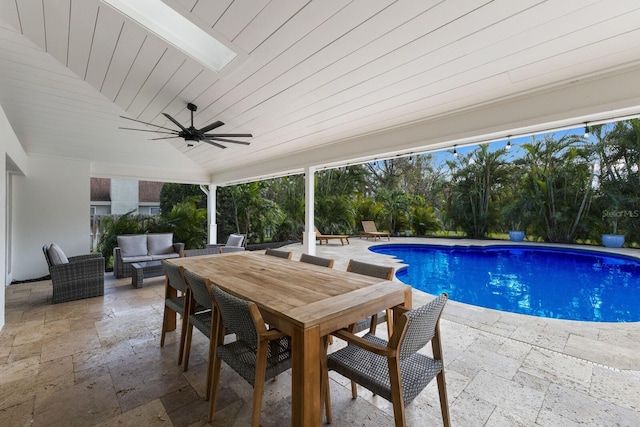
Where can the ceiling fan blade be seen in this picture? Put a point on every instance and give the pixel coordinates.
(165, 137)
(233, 135)
(154, 131)
(229, 140)
(211, 126)
(214, 143)
(145, 123)
(175, 122)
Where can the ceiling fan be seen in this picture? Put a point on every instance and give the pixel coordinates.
(191, 134)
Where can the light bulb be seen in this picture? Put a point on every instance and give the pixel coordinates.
(586, 131)
(508, 147)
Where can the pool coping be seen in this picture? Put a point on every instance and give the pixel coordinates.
(607, 344)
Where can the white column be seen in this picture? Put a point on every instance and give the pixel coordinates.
(211, 214)
(309, 235)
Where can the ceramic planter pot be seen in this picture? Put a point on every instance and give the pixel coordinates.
(613, 240)
(516, 236)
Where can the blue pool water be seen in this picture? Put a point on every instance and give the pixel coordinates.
(545, 282)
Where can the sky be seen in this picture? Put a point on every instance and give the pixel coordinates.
(516, 150)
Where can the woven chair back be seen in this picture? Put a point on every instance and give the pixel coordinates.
(312, 259)
(422, 325)
(198, 289)
(280, 254)
(372, 270)
(174, 277)
(235, 316)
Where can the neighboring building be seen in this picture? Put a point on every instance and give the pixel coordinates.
(119, 196)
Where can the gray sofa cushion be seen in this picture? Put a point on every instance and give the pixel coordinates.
(56, 256)
(160, 244)
(133, 246)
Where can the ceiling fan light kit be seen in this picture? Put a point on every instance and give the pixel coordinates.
(191, 134)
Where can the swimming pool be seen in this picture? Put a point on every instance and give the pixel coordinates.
(540, 281)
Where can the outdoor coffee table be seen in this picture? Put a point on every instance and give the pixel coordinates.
(143, 269)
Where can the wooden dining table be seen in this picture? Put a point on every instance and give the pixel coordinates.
(305, 301)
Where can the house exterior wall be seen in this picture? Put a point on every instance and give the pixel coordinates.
(15, 156)
(51, 205)
(124, 195)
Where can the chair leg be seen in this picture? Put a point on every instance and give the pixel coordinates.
(218, 338)
(374, 324)
(212, 352)
(186, 311)
(258, 385)
(396, 392)
(165, 318)
(389, 323)
(444, 402)
(187, 347)
(183, 336)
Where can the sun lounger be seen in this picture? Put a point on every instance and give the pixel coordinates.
(369, 229)
(320, 237)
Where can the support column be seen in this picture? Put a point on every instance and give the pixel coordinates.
(211, 212)
(309, 235)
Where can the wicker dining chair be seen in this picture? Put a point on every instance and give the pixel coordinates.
(257, 355)
(316, 260)
(395, 370)
(381, 272)
(174, 284)
(278, 253)
(202, 320)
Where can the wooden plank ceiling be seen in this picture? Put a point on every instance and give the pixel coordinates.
(308, 75)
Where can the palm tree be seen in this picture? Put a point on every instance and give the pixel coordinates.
(558, 186)
(476, 183)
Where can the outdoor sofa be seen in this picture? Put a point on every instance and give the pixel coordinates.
(134, 248)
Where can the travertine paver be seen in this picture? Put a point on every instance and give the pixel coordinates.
(98, 361)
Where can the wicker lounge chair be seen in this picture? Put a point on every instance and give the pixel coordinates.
(76, 277)
(369, 229)
(395, 370)
(326, 237)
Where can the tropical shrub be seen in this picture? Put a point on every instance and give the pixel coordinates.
(476, 182)
(113, 226)
(423, 218)
(187, 222)
(558, 187)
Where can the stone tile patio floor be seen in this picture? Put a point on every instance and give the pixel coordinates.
(98, 362)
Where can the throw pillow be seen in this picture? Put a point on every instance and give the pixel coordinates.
(133, 245)
(56, 256)
(235, 240)
(160, 244)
